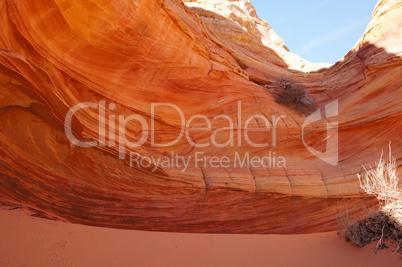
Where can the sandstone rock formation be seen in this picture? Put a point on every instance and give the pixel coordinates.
(207, 60)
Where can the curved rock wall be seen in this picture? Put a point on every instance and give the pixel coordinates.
(205, 60)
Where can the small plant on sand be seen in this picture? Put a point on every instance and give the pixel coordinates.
(384, 225)
(295, 96)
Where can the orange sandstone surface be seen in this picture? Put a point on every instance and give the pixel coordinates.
(206, 60)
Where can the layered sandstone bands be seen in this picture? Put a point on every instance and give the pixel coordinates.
(55, 54)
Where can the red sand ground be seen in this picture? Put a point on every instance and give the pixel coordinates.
(30, 241)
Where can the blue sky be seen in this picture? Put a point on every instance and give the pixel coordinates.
(319, 31)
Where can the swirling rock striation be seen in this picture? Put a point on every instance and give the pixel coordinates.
(206, 59)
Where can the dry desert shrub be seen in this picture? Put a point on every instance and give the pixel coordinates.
(383, 183)
(384, 225)
(378, 226)
(295, 96)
